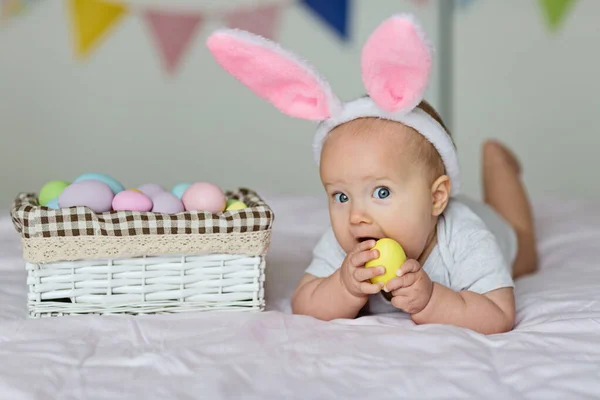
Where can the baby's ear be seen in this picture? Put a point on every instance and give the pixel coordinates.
(440, 195)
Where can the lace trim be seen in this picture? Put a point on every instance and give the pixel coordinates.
(45, 250)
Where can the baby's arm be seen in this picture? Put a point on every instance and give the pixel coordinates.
(488, 313)
(479, 295)
(343, 293)
(432, 303)
(325, 298)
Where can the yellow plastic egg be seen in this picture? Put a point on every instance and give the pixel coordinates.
(135, 190)
(391, 257)
(235, 205)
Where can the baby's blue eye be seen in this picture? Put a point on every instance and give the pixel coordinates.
(381, 192)
(340, 197)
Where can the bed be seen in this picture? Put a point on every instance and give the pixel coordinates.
(553, 353)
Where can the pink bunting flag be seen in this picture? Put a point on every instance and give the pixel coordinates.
(260, 20)
(172, 33)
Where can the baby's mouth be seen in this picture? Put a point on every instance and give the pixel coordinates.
(366, 238)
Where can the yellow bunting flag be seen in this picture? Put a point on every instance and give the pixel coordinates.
(13, 8)
(10, 7)
(91, 19)
(555, 11)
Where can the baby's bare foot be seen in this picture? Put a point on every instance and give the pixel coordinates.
(496, 153)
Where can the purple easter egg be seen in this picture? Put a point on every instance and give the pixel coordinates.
(151, 189)
(96, 195)
(167, 203)
(130, 200)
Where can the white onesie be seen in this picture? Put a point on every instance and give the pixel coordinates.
(475, 252)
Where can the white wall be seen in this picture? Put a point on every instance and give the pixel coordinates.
(536, 91)
(60, 118)
(513, 80)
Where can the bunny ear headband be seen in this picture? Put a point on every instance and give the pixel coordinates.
(395, 66)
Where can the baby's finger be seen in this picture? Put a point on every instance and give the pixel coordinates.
(362, 273)
(370, 288)
(403, 282)
(408, 266)
(366, 245)
(396, 283)
(359, 259)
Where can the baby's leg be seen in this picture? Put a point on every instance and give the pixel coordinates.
(504, 191)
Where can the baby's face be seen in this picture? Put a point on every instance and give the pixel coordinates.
(375, 188)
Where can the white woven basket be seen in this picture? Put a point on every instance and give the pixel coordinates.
(77, 264)
(147, 285)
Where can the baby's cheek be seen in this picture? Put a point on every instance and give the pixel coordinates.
(413, 247)
(412, 233)
(342, 235)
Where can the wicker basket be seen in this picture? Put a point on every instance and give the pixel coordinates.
(124, 262)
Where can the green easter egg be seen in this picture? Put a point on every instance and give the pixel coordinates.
(230, 202)
(51, 190)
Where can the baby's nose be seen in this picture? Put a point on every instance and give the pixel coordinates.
(359, 215)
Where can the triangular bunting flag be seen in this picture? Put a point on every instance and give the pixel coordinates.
(12, 8)
(334, 13)
(91, 20)
(261, 20)
(172, 33)
(555, 11)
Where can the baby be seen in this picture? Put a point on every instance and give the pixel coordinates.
(384, 179)
(390, 169)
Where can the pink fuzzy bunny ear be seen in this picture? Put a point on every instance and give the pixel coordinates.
(396, 63)
(274, 74)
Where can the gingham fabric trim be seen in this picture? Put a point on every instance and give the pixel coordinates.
(32, 220)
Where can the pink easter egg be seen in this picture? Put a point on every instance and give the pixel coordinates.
(167, 203)
(95, 195)
(204, 196)
(129, 200)
(151, 189)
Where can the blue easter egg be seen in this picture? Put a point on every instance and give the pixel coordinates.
(114, 185)
(179, 189)
(53, 203)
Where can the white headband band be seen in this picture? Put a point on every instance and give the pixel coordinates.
(417, 119)
(395, 66)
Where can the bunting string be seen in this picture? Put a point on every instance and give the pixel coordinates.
(172, 30)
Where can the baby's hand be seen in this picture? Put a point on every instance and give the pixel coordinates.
(355, 276)
(412, 289)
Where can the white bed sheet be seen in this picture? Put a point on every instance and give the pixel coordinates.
(554, 351)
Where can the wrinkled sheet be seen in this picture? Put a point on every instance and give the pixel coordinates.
(553, 353)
